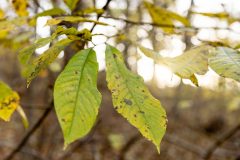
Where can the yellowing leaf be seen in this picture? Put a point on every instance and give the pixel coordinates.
(193, 61)
(76, 97)
(1, 14)
(51, 12)
(20, 7)
(23, 116)
(132, 99)
(226, 62)
(89, 11)
(45, 59)
(73, 19)
(216, 15)
(71, 4)
(9, 101)
(26, 53)
(9, 25)
(164, 18)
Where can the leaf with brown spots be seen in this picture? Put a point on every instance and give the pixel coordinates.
(9, 101)
(132, 99)
(226, 62)
(76, 96)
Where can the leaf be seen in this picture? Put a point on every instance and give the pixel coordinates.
(45, 59)
(226, 62)
(132, 99)
(216, 15)
(1, 14)
(74, 34)
(76, 97)
(20, 7)
(23, 116)
(51, 12)
(193, 61)
(71, 4)
(9, 101)
(26, 53)
(73, 19)
(164, 18)
(89, 11)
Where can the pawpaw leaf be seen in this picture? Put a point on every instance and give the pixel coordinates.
(193, 61)
(76, 97)
(9, 101)
(226, 62)
(20, 7)
(71, 4)
(164, 17)
(72, 19)
(132, 99)
(44, 59)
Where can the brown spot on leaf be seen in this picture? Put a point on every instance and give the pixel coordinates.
(128, 101)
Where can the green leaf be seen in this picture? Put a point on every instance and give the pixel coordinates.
(89, 11)
(26, 53)
(74, 34)
(71, 4)
(193, 61)
(9, 101)
(23, 116)
(72, 19)
(51, 12)
(76, 97)
(226, 62)
(163, 17)
(132, 99)
(45, 59)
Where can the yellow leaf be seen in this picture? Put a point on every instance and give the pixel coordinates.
(9, 101)
(193, 61)
(20, 7)
(164, 18)
(72, 19)
(1, 14)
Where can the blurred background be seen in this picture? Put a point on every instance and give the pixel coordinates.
(198, 117)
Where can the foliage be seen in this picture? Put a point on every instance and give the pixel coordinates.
(133, 100)
(76, 97)
(9, 101)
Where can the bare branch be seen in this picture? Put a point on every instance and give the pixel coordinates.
(105, 7)
(29, 134)
(220, 141)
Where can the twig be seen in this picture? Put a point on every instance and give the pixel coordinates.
(220, 141)
(191, 28)
(105, 7)
(184, 145)
(28, 135)
(128, 145)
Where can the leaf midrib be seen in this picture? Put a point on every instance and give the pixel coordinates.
(147, 123)
(76, 98)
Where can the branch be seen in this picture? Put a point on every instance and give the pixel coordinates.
(190, 28)
(105, 7)
(220, 141)
(29, 134)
